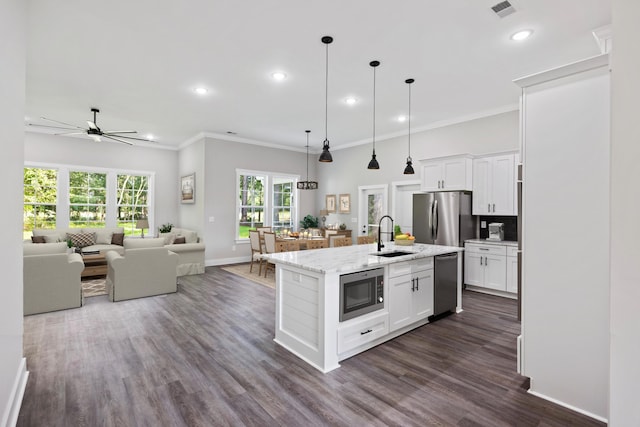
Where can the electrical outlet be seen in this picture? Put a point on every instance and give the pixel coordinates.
(354, 220)
(483, 224)
(233, 248)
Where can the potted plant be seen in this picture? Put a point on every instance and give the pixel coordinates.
(165, 228)
(343, 226)
(309, 221)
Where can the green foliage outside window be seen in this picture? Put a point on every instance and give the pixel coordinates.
(40, 199)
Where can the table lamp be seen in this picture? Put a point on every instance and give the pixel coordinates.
(141, 224)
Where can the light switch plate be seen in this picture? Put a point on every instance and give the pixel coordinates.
(354, 220)
(483, 224)
(212, 219)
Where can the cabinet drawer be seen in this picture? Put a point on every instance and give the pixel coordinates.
(408, 267)
(512, 251)
(486, 249)
(358, 332)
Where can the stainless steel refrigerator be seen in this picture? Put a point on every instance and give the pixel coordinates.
(443, 218)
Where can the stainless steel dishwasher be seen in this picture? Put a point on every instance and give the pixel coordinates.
(445, 283)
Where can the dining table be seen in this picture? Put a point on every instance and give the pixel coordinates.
(302, 240)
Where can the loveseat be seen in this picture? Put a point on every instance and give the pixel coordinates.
(190, 251)
(51, 278)
(147, 268)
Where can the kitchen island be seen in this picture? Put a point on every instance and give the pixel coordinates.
(308, 298)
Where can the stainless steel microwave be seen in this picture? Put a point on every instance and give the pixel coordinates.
(361, 293)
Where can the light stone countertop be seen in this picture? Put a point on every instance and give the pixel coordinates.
(349, 259)
(492, 242)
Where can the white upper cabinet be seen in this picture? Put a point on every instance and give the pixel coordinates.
(446, 174)
(494, 185)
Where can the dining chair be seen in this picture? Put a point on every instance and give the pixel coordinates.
(269, 248)
(256, 250)
(316, 243)
(263, 229)
(342, 241)
(366, 240)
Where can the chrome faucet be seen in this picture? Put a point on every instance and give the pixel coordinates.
(380, 245)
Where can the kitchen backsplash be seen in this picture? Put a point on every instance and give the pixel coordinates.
(510, 226)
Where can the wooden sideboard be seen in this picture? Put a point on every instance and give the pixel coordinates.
(345, 233)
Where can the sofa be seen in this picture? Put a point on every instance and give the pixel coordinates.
(88, 239)
(51, 278)
(145, 269)
(190, 250)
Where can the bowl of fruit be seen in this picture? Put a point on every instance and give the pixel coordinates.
(404, 239)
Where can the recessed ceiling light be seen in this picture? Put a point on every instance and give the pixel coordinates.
(150, 137)
(201, 90)
(402, 119)
(278, 76)
(521, 35)
(350, 100)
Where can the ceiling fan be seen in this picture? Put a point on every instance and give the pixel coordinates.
(93, 130)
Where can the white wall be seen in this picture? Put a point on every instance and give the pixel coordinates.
(191, 160)
(625, 227)
(44, 148)
(349, 167)
(12, 88)
(222, 158)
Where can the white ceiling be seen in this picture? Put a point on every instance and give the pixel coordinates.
(139, 61)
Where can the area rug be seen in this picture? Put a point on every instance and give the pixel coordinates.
(94, 287)
(243, 270)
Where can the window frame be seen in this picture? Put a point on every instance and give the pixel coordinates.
(39, 204)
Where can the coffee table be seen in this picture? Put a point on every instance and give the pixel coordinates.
(94, 265)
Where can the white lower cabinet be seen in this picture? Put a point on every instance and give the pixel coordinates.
(512, 270)
(485, 266)
(354, 333)
(410, 296)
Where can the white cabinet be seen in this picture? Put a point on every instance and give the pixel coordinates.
(450, 174)
(486, 266)
(410, 295)
(512, 270)
(362, 331)
(494, 185)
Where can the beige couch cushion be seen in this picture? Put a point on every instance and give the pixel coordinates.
(143, 243)
(53, 236)
(168, 237)
(189, 235)
(46, 249)
(103, 234)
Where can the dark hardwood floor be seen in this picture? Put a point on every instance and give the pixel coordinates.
(206, 357)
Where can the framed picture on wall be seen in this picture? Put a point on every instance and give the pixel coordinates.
(188, 188)
(344, 203)
(331, 203)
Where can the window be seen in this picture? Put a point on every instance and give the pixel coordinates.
(132, 192)
(87, 199)
(265, 199)
(252, 200)
(40, 199)
(283, 209)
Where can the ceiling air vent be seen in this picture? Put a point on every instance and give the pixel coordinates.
(503, 9)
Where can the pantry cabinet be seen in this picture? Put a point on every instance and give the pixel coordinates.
(494, 185)
(447, 174)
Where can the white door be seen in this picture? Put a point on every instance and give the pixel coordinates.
(481, 179)
(431, 176)
(423, 295)
(372, 206)
(400, 302)
(503, 181)
(402, 203)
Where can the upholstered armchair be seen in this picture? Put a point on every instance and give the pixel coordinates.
(147, 268)
(51, 278)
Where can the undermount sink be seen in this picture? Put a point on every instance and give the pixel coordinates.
(393, 254)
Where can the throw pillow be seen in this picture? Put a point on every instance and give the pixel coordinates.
(82, 240)
(179, 241)
(38, 239)
(52, 239)
(117, 239)
(168, 237)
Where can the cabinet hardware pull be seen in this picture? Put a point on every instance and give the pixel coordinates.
(443, 183)
(488, 207)
(485, 261)
(480, 260)
(494, 207)
(484, 249)
(366, 332)
(413, 285)
(417, 283)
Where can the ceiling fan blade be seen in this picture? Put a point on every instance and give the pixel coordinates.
(116, 139)
(92, 125)
(72, 133)
(62, 123)
(129, 137)
(111, 132)
(51, 127)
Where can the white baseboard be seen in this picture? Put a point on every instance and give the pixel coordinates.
(566, 405)
(224, 261)
(10, 417)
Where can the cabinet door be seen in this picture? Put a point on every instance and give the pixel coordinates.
(399, 302)
(423, 295)
(454, 174)
(481, 189)
(473, 269)
(502, 185)
(431, 176)
(495, 272)
(512, 274)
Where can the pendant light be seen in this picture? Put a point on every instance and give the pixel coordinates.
(408, 170)
(373, 163)
(326, 155)
(307, 185)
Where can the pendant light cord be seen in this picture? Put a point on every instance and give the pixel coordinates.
(307, 131)
(409, 120)
(374, 109)
(326, 93)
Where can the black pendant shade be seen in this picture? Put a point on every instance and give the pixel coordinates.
(307, 185)
(325, 156)
(373, 163)
(408, 170)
